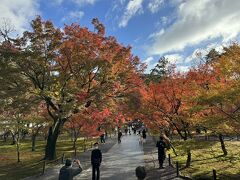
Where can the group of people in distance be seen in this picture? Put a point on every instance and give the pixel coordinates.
(73, 168)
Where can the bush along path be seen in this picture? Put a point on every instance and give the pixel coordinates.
(52, 173)
(151, 163)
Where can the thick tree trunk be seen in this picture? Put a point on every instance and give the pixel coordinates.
(53, 133)
(222, 145)
(33, 142)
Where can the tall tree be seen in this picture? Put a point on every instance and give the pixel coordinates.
(69, 70)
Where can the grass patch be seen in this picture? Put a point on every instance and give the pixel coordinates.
(31, 162)
(206, 156)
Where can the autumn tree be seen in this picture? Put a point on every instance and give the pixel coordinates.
(69, 70)
(217, 103)
(165, 106)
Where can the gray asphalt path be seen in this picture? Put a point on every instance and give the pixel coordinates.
(120, 161)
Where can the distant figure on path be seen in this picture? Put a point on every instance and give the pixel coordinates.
(119, 136)
(134, 130)
(141, 172)
(126, 131)
(129, 130)
(144, 135)
(161, 145)
(102, 138)
(67, 172)
(96, 160)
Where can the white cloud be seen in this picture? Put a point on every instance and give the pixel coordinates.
(133, 7)
(154, 5)
(84, 2)
(19, 13)
(164, 20)
(156, 34)
(73, 16)
(202, 52)
(174, 58)
(148, 60)
(198, 21)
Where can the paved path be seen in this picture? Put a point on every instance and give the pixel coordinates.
(52, 173)
(120, 161)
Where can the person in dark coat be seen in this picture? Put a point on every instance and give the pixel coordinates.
(119, 136)
(134, 130)
(126, 131)
(102, 138)
(96, 160)
(161, 145)
(67, 172)
(144, 135)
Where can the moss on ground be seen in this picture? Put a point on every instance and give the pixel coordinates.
(206, 156)
(31, 162)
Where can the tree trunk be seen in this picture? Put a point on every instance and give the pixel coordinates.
(18, 145)
(74, 144)
(84, 144)
(5, 135)
(13, 139)
(223, 145)
(174, 151)
(188, 163)
(18, 152)
(184, 137)
(53, 133)
(33, 142)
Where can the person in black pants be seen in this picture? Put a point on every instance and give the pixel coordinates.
(102, 138)
(144, 135)
(119, 136)
(161, 145)
(96, 160)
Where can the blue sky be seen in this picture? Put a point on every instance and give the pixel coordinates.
(176, 29)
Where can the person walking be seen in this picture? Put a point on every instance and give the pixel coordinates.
(134, 130)
(96, 160)
(161, 145)
(102, 138)
(144, 135)
(68, 171)
(126, 131)
(119, 136)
